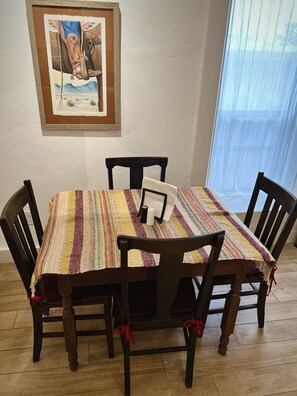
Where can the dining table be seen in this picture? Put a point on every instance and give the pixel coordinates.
(80, 246)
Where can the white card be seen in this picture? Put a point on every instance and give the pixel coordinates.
(157, 201)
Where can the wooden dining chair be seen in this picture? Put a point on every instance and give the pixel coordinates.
(272, 227)
(136, 165)
(22, 243)
(168, 302)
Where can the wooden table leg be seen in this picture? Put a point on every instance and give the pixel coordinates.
(231, 308)
(69, 323)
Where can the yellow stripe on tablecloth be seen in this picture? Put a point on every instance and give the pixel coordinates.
(116, 202)
(177, 229)
(124, 223)
(87, 253)
(56, 239)
(106, 244)
(209, 204)
(99, 216)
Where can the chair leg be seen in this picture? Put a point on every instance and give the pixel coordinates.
(126, 352)
(125, 346)
(261, 303)
(37, 331)
(109, 327)
(190, 358)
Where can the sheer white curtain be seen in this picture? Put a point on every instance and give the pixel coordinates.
(256, 121)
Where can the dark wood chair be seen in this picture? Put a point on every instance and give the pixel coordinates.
(168, 302)
(22, 245)
(136, 165)
(272, 227)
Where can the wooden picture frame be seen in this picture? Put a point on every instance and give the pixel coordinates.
(76, 57)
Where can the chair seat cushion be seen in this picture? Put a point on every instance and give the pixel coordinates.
(142, 298)
(80, 295)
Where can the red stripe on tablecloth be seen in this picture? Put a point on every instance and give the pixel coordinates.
(74, 265)
(148, 258)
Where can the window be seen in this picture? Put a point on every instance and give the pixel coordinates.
(256, 120)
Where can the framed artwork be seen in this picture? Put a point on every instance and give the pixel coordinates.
(76, 58)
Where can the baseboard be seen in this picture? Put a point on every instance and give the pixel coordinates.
(5, 256)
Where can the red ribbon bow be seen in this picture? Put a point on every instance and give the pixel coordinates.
(272, 279)
(34, 298)
(198, 323)
(126, 330)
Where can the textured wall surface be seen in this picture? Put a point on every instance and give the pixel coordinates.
(170, 63)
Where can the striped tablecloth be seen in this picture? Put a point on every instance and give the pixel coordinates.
(83, 227)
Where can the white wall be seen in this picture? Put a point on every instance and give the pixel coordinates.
(170, 63)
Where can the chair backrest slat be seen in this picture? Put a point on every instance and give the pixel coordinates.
(34, 212)
(136, 176)
(136, 165)
(263, 217)
(29, 242)
(270, 219)
(277, 216)
(167, 284)
(23, 243)
(274, 230)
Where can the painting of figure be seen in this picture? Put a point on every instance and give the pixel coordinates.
(77, 64)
